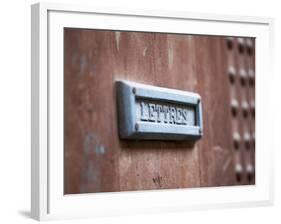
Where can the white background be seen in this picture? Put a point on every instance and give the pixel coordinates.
(15, 111)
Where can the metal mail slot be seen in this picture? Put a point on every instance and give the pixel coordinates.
(150, 112)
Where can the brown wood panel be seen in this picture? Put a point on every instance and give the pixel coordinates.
(91, 164)
(216, 155)
(96, 160)
(154, 164)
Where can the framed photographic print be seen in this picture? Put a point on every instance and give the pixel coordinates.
(146, 111)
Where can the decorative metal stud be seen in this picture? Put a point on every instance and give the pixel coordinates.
(249, 44)
(238, 171)
(236, 140)
(234, 107)
(229, 42)
(249, 168)
(134, 90)
(247, 140)
(251, 75)
(241, 44)
(243, 76)
(136, 127)
(245, 108)
(249, 171)
(252, 106)
(231, 73)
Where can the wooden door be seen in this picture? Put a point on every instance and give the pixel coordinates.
(97, 160)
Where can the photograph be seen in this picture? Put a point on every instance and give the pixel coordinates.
(155, 110)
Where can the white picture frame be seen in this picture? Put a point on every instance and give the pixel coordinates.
(48, 201)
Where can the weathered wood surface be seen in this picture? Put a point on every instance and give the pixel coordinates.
(96, 160)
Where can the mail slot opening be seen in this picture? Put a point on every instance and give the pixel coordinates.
(165, 113)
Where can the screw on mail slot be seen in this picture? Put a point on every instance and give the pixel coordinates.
(150, 112)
